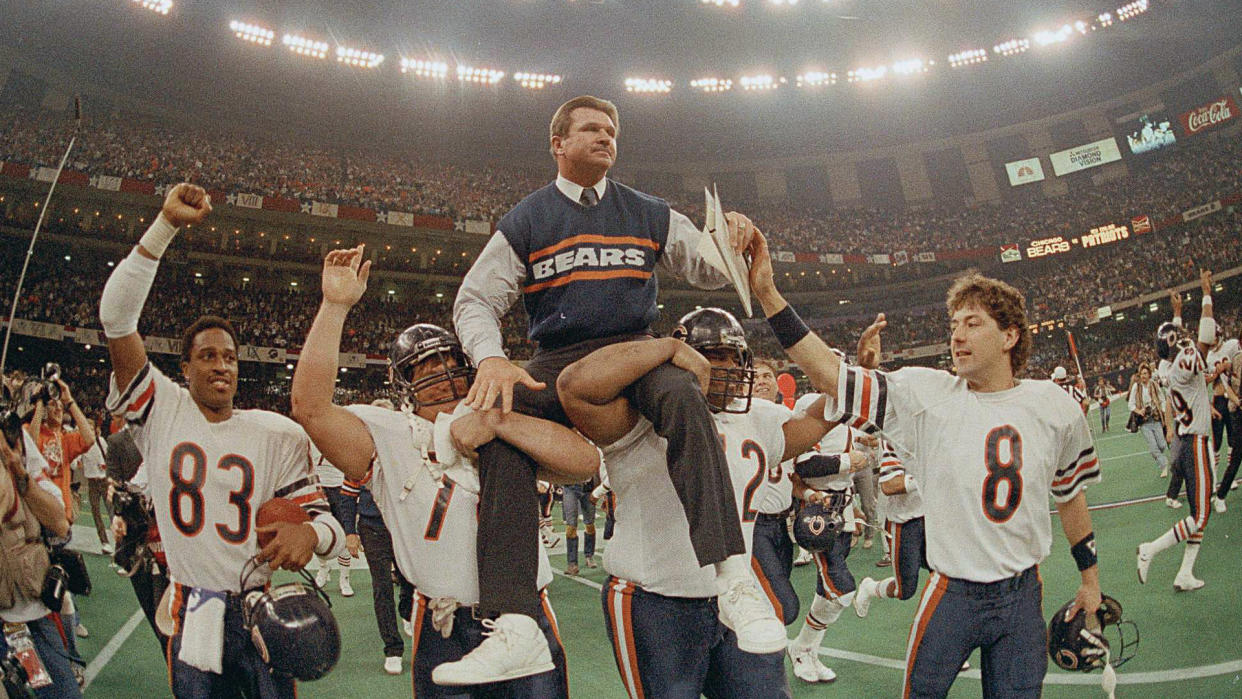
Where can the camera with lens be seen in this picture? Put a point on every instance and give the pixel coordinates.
(10, 419)
(49, 389)
(131, 506)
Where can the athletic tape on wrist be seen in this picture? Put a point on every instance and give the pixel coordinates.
(1084, 552)
(1207, 300)
(788, 327)
(158, 236)
(1207, 331)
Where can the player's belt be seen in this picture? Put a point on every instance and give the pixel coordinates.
(993, 589)
(768, 517)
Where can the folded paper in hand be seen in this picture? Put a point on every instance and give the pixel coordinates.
(717, 250)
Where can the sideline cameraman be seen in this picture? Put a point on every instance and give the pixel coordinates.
(60, 447)
(1147, 414)
(26, 502)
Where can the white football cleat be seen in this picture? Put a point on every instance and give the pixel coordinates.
(321, 578)
(745, 610)
(392, 665)
(1218, 504)
(1172, 503)
(347, 589)
(514, 647)
(807, 666)
(965, 666)
(1144, 562)
(1186, 582)
(804, 558)
(862, 598)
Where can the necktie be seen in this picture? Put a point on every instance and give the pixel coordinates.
(589, 198)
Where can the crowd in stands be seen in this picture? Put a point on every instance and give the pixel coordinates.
(142, 149)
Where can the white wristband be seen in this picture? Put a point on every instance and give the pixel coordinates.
(1207, 300)
(158, 236)
(326, 538)
(1207, 331)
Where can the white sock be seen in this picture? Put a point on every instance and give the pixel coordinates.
(1164, 541)
(824, 612)
(1188, 560)
(733, 567)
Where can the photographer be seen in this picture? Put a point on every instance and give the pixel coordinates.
(57, 445)
(1147, 416)
(32, 630)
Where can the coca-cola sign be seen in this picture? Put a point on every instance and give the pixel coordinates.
(1209, 116)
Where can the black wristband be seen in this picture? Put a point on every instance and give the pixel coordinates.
(1084, 552)
(788, 327)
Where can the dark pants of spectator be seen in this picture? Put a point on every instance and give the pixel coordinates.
(575, 500)
(149, 583)
(509, 506)
(377, 543)
(1175, 475)
(97, 491)
(1235, 453)
(1222, 427)
(49, 642)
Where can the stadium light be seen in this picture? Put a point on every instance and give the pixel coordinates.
(863, 75)
(482, 76)
(712, 84)
(967, 57)
(1104, 20)
(536, 81)
(424, 69)
(1128, 11)
(762, 81)
(1046, 37)
(252, 33)
(357, 57)
(783, 2)
(305, 47)
(815, 78)
(648, 85)
(721, 3)
(1012, 47)
(163, 6)
(912, 66)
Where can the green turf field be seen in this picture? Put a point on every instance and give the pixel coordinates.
(1192, 642)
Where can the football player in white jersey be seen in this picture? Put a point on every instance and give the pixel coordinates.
(1194, 459)
(330, 480)
(988, 451)
(418, 462)
(660, 606)
(210, 469)
(1224, 403)
(1073, 385)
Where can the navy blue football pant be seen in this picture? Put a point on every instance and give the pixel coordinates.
(835, 579)
(575, 500)
(1003, 619)
(508, 536)
(1235, 454)
(676, 648)
(1175, 474)
(377, 542)
(909, 553)
(772, 559)
(245, 673)
(431, 648)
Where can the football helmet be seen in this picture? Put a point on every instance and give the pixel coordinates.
(1079, 644)
(425, 342)
(293, 629)
(1167, 336)
(816, 526)
(714, 329)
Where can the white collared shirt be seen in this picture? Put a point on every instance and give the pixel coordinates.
(573, 190)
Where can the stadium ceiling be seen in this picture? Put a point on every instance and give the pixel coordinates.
(190, 61)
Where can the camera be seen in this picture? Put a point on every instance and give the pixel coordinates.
(10, 420)
(130, 505)
(14, 678)
(55, 584)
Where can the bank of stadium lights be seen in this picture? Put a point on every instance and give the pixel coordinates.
(1104, 20)
(815, 78)
(864, 75)
(252, 33)
(163, 6)
(648, 85)
(721, 3)
(1012, 47)
(1047, 37)
(712, 84)
(755, 83)
(536, 81)
(437, 70)
(968, 57)
(304, 46)
(357, 57)
(481, 76)
(912, 66)
(1130, 10)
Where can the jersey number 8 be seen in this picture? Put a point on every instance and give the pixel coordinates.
(1007, 471)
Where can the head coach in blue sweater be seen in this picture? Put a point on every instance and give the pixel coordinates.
(582, 254)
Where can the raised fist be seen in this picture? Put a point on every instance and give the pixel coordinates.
(186, 203)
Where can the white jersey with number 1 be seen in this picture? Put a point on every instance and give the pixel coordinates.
(986, 463)
(208, 479)
(434, 523)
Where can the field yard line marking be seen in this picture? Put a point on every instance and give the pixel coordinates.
(1125, 456)
(1175, 675)
(114, 644)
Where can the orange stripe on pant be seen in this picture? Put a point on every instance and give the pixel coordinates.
(556, 631)
(417, 622)
(767, 587)
(932, 594)
(894, 548)
(821, 563)
(621, 595)
(1203, 485)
